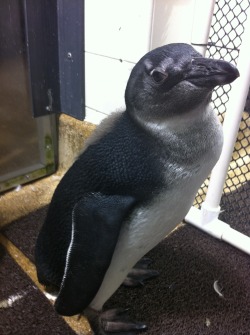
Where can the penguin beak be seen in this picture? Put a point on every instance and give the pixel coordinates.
(206, 72)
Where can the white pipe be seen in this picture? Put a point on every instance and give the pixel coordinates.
(206, 219)
(235, 107)
(203, 13)
(219, 229)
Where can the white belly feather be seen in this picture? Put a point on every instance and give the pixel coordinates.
(148, 225)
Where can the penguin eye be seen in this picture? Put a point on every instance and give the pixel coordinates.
(158, 76)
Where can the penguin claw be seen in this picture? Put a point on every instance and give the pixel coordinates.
(140, 273)
(114, 321)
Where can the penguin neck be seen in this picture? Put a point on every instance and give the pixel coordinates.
(175, 123)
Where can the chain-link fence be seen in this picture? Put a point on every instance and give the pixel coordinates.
(224, 43)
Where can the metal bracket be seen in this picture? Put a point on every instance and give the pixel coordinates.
(55, 47)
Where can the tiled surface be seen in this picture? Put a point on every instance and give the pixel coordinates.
(118, 28)
(106, 80)
(117, 35)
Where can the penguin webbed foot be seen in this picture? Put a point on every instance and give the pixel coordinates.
(113, 321)
(140, 273)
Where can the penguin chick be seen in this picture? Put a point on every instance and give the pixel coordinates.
(134, 182)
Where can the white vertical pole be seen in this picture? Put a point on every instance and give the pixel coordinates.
(235, 107)
(203, 13)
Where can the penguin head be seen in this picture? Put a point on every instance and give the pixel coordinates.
(174, 79)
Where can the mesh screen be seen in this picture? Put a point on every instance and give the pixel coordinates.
(224, 43)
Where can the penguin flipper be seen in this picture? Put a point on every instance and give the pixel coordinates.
(96, 223)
